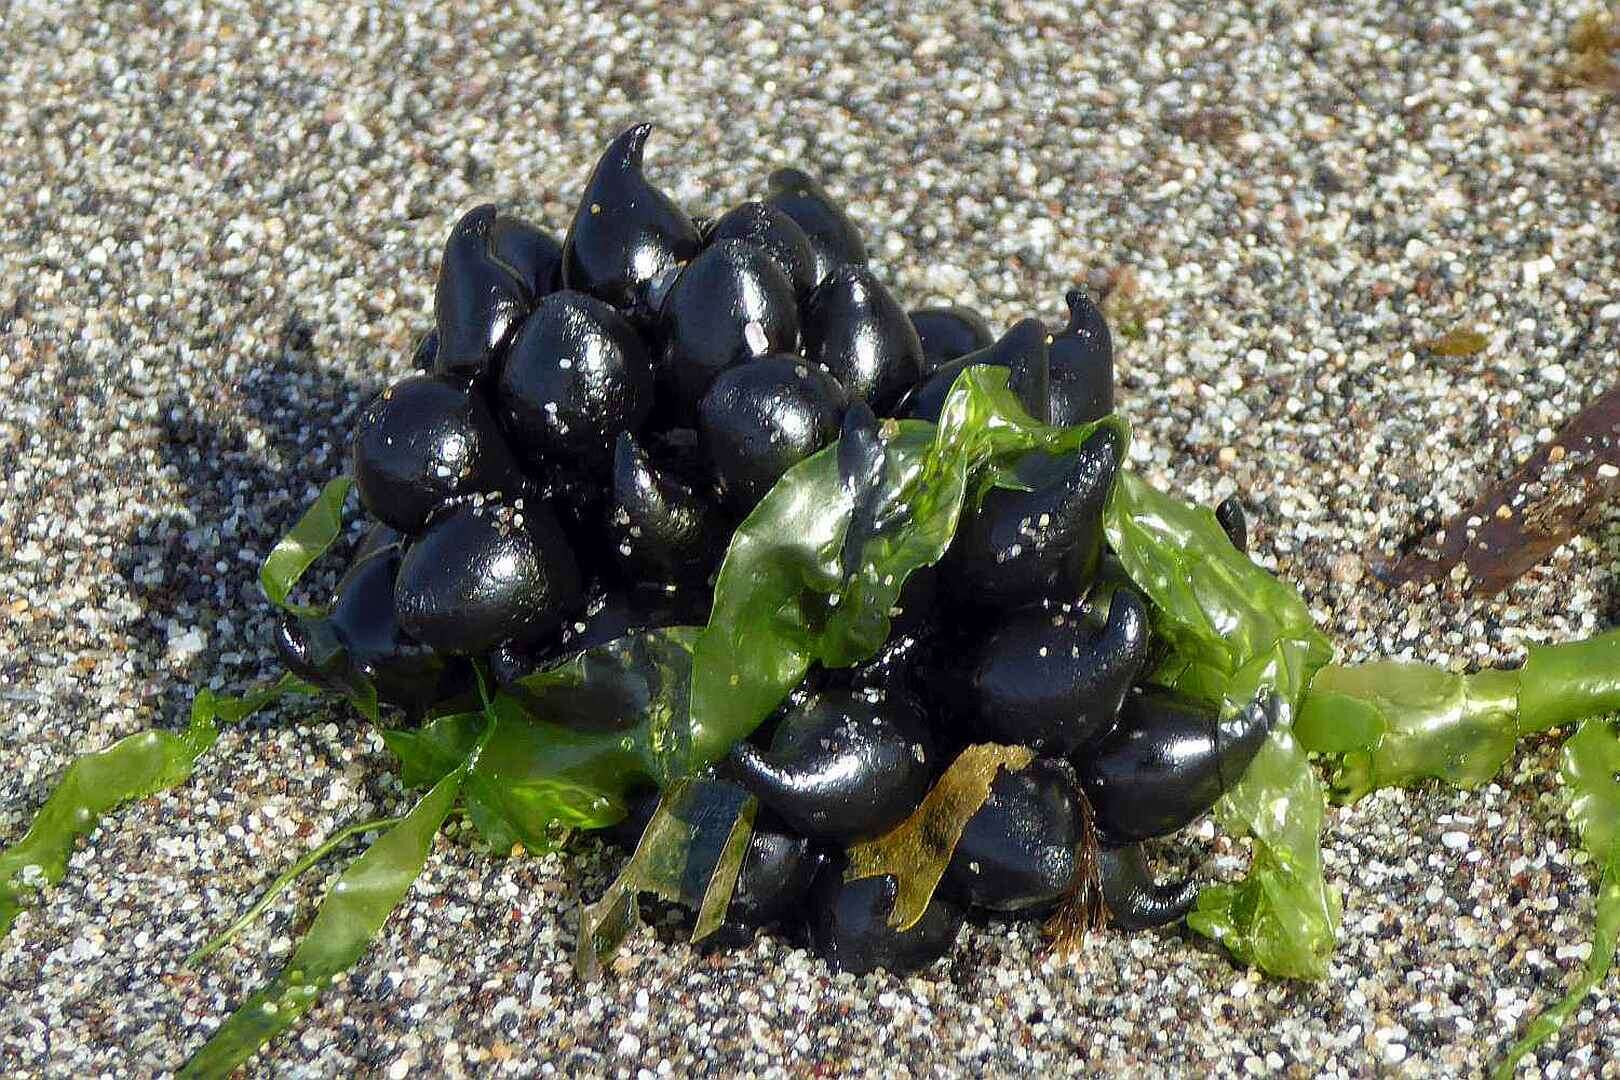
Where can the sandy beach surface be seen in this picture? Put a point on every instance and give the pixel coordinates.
(218, 235)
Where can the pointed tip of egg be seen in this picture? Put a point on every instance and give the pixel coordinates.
(631, 143)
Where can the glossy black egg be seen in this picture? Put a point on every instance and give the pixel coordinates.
(853, 325)
(861, 453)
(1234, 522)
(775, 876)
(731, 304)
(1018, 850)
(914, 634)
(915, 608)
(848, 922)
(577, 375)
(773, 232)
(843, 763)
(532, 255)
(485, 571)
(311, 649)
(627, 238)
(833, 237)
(1167, 761)
(607, 614)
(613, 612)
(1082, 360)
(425, 439)
(478, 302)
(893, 666)
(863, 462)
(761, 418)
(578, 496)
(678, 449)
(1045, 680)
(1135, 901)
(359, 640)
(947, 333)
(510, 660)
(658, 527)
(1022, 350)
(1019, 547)
(1110, 578)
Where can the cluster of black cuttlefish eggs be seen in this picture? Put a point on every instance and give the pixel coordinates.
(589, 423)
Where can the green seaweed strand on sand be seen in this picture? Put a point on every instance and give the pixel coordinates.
(1236, 633)
(95, 784)
(350, 916)
(1389, 724)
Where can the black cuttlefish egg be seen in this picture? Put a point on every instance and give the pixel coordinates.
(1019, 547)
(1022, 350)
(947, 333)
(577, 375)
(854, 326)
(1082, 365)
(843, 763)
(1019, 850)
(849, 926)
(627, 236)
(731, 304)
(771, 230)
(1135, 901)
(478, 301)
(1167, 761)
(773, 881)
(1045, 680)
(761, 418)
(359, 640)
(425, 439)
(484, 571)
(833, 237)
(658, 526)
(532, 255)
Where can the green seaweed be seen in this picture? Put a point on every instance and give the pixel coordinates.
(1237, 635)
(94, 784)
(1591, 775)
(350, 916)
(317, 529)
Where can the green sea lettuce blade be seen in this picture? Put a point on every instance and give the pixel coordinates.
(1388, 724)
(569, 746)
(350, 916)
(1235, 634)
(916, 851)
(690, 853)
(1391, 724)
(783, 599)
(1591, 774)
(1283, 917)
(315, 532)
(97, 783)
(283, 881)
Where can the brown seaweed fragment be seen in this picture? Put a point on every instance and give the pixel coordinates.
(1084, 908)
(1512, 527)
(1457, 342)
(916, 851)
(1594, 45)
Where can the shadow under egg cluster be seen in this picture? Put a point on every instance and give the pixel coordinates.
(588, 424)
